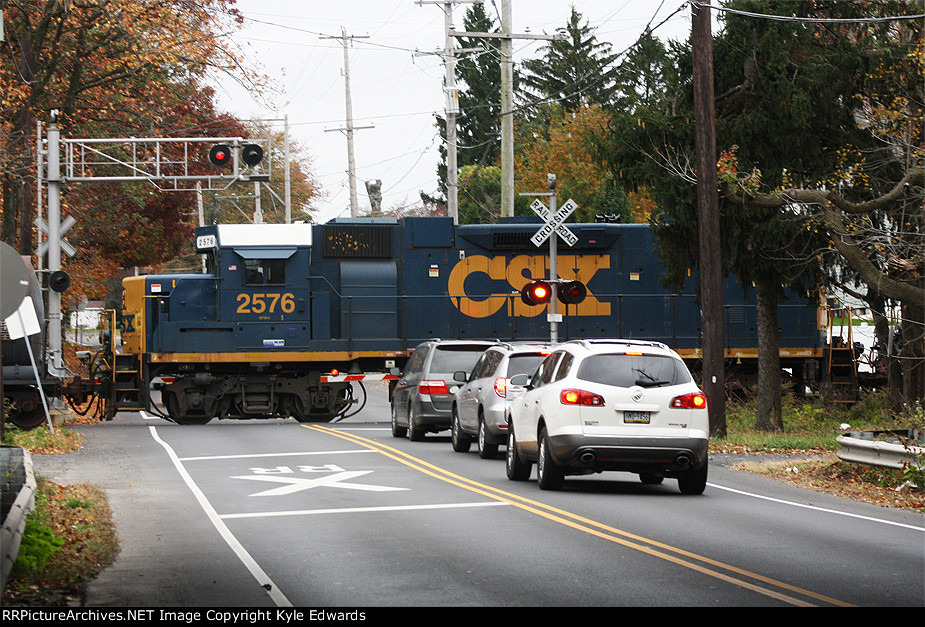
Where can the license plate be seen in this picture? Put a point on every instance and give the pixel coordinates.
(636, 417)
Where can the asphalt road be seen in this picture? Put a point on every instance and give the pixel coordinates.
(265, 514)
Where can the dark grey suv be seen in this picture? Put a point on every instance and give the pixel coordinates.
(422, 398)
(481, 408)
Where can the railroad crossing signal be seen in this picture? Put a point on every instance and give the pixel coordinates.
(571, 292)
(539, 292)
(555, 223)
(66, 224)
(536, 293)
(221, 155)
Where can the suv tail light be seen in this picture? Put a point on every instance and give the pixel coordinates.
(433, 387)
(580, 397)
(501, 387)
(694, 400)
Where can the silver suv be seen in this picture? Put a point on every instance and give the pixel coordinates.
(481, 407)
(422, 398)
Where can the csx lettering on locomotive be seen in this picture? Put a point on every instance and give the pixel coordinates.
(511, 275)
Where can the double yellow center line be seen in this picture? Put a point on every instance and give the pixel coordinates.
(736, 576)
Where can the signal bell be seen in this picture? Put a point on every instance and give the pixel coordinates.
(536, 293)
(572, 292)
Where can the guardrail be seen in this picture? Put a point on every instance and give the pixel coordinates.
(19, 484)
(887, 449)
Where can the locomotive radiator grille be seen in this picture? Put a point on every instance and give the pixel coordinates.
(343, 241)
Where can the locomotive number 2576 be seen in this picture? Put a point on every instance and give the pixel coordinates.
(265, 303)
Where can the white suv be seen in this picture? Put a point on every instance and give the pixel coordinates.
(623, 405)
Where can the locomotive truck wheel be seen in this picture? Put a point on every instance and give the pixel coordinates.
(30, 415)
(173, 410)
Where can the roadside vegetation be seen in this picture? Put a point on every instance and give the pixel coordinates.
(69, 537)
(804, 452)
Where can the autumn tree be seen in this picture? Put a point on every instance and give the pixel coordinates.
(118, 68)
(109, 67)
(852, 168)
(561, 143)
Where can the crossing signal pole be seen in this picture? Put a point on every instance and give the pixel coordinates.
(163, 162)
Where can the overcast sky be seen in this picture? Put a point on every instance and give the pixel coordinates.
(395, 89)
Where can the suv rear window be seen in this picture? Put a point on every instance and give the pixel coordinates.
(454, 358)
(523, 364)
(628, 370)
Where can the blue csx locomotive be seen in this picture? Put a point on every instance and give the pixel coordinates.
(285, 317)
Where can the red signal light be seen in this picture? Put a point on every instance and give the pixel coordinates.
(536, 293)
(220, 155)
(572, 292)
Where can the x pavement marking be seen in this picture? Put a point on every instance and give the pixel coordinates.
(296, 484)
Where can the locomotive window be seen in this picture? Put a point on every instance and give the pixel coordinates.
(264, 271)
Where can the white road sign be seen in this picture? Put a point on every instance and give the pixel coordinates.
(555, 223)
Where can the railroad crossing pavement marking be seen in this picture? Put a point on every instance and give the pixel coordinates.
(297, 484)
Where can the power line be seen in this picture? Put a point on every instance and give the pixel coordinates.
(815, 20)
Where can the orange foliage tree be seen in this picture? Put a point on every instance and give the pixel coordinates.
(561, 143)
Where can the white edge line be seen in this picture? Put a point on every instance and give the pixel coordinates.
(262, 578)
(351, 510)
(819, 509)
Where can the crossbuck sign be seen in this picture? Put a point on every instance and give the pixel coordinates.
(555, 222)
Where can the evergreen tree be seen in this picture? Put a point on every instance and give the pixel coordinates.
(574, 71)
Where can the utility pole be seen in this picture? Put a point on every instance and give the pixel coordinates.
(287, 182)
(452, 105)
(507, 112)
(349, 128)
(711, 278)
(507, 100)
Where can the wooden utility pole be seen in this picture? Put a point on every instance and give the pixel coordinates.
(711, 278)
(507, 100)
(452, 105)
(349, 128)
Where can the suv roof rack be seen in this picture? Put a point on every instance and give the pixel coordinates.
(626, 342)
